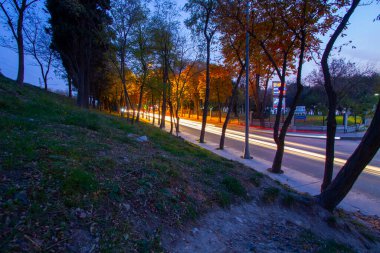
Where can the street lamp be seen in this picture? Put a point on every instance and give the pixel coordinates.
(246, 148)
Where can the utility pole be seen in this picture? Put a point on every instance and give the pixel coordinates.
(246, 148)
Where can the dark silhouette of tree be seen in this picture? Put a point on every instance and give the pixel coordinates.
(126, 14)
(335, 192)
(202, 15)
(80, 37)
(164, 27)
(332, 97)
(15, 12)
(38, 44)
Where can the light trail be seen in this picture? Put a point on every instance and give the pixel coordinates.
(232, 134)
(262, 141)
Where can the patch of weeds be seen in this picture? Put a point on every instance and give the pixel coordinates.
(114, 191)
(270, 194)
(369, 236)
(39, 195)
(322, 246)
(357, 224)
(86, 120)
(227, 163)
(224, 199)
(152, 244)
(122, 125)
(256, 179)
(191, 211)
(332, 246)
(127, 140)
(160, 166)
(115, 237)
(234, 186)
(307, 236)
(209, 171)
(288, 200)
(173, 173)
(165, 168)
(104, 163)
(145, 183)
(287, 188)
(79, 181)
(331, 221)
(362, 229)
(35, 210)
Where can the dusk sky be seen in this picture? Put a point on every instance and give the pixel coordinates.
(363, 31)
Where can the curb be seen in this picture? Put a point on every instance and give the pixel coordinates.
(350, 138)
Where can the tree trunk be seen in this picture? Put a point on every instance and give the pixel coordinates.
(20, 46)
(276, 166)
(262, 121)
(256, 98)
(140, 100)
(347, 176)
(332, 98)
(171, 116)
(277, 162)
(165, 83)
(177, 123)
(229, 109)
(205, 106)
(153, 109)
(159, 112)
(70, 87)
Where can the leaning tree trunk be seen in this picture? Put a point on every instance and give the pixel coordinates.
(280, 141)
(205, 106)
(364, 153)
(229, 109)
(276, 165)
(331, 121)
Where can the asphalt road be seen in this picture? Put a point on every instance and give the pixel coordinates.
(302, 154)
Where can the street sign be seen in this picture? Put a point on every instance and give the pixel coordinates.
(303, 117)
(277, 88)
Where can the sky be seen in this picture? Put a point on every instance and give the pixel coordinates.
(362, 31)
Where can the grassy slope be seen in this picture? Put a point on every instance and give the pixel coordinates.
(63, 169)
(73, 178)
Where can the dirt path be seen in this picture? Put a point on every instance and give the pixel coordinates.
(254, 227)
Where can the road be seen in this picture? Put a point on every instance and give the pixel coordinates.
(305, 155)
(302, 154)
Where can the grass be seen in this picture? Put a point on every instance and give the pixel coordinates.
(234, 186)
(288, 200)
(256, 179)
(320, 245)
(270, 194)
(316, 120)
(66, 158)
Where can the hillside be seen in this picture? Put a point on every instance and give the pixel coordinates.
(74, 180)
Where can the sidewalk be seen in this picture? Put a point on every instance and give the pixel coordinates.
(299, 181)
